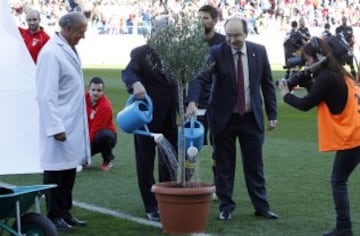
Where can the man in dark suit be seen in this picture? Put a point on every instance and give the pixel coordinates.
(234, 114)
(144, 75)
(210, 17)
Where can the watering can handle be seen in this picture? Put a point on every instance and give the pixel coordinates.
(192, 124)
(148, 100)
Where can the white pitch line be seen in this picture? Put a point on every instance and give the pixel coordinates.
(116, 214)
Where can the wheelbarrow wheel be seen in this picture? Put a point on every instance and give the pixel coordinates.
(35, 224)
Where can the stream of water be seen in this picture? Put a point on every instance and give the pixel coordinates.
(170, 158)
(169, 154)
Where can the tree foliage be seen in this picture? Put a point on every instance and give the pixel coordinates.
(180, 45)
(178, 39)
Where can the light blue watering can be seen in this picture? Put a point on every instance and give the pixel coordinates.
(133, 119)
(194, 136)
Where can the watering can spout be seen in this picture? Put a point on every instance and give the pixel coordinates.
(157, 137)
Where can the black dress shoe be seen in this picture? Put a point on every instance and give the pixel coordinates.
(75, 222)
(61, 225)
(153, 216)
(267, 214)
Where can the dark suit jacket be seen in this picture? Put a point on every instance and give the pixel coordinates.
(205, 92)
(161, 89)
(224, 93)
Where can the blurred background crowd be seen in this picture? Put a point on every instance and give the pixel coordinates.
(134, 16)
(269, 21)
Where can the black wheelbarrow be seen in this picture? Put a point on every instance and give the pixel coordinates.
(15, 202)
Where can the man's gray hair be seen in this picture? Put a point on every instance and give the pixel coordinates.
(72, 20)
(158, 23)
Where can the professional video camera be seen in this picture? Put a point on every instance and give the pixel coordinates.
(292, 75)
(295, 78)
(341, 50)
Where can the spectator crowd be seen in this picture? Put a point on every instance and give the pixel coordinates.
(134, 16)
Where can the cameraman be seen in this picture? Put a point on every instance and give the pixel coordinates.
(305, 32)
(293, 41)
(346, 31)
(332, 91)
(326, 33)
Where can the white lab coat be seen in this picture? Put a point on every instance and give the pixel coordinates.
(60, 94)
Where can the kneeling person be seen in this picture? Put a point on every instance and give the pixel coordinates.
(102, 130)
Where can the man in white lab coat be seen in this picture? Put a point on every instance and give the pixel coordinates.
(64, 139)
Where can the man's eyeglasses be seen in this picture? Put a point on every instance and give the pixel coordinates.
(96, 90)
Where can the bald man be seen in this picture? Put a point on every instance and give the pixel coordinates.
(34, 37)
(235, 112)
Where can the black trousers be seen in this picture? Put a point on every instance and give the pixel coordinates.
(59, 199)
(345, 162)
(104, 142)
(251, 140)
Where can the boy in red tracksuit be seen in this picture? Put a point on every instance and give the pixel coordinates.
(102, 130)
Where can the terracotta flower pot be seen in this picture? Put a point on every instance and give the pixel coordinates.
(183, 210)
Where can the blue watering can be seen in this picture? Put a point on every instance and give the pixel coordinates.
(133, 119)
(194, 136)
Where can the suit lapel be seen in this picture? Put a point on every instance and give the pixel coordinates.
(251, 62)
(229, 62)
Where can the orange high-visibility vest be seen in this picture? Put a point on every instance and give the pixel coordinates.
(341, 131)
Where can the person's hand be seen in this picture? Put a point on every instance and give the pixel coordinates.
(191, 110)
(283, 87)
(139, 90)
(60, 137)
(272, 124)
